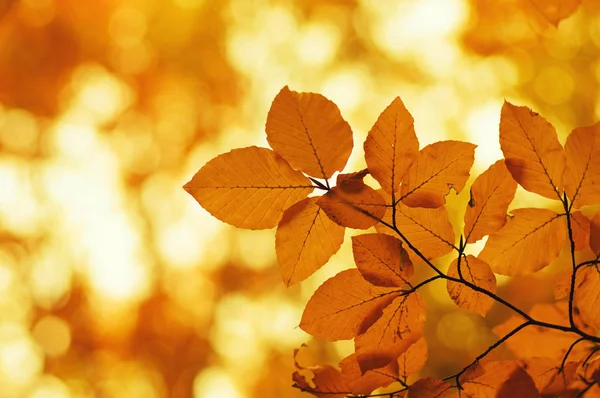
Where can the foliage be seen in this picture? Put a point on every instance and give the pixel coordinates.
(378, 304)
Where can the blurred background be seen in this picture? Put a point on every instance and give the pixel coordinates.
(114, 282)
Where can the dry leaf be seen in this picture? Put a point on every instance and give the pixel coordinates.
(478, 273)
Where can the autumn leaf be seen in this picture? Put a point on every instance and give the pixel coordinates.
(428, 387)
(437, 168)
(345, 306)
(248, 187)
(582, 175)
(359, 383)
(491, 194)
(353, 204)
(400, 325)
(587, 294)
(526, 244)
(533, 154)
(595, 233)
(477, 272)
(555, 11)
(382, 260)
(562, 286)
(501, 379)
(323, 382)
(580, 225)
(391, 146)
(308, 130)
(305, 240)
(429, 230)
(549, 377)
(413, 359)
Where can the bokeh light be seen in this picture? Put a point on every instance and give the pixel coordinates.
(114, 282)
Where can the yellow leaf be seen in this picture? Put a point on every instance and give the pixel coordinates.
(491, 194)
(438, 168)
(533, 154)
(391, 146)
(582, 176)
(305, 240)
(248, 187)
(477, 272)
(526, 244)
(308, 130)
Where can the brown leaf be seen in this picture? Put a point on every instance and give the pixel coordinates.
(308, 130)
(400, 326)
(360, 383)
(533, 154)
(491, 194)
(305, 240)
(382, 260)
(391, 146)
(438, 168)
(345, 306)
(587, 294)
(429, 230)
(429, 387)
(526, 244)
(580, 226)
(595, 233)
(353, 204)
(582, 175)
(413, 359)
(555, 11)
(478, 273)
(248, 187)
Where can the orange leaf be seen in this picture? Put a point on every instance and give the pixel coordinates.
(582, 176)
(562, 286)
(549, 378)
(526, 244)
(400, 326)
(501, 379)
(478, 273)
(344, 306)
(491, 194)
(308, 130)
(595, 233)
(580, 225)
(382, 260)
(413, 359)
(556, 10)
(324, 381)
(365, 383)
(391, 146)
(438, 168)
(428, 387)
(549, 343)
(353, 204)
(248, 187)
(344, 178)
(429, 230)
(305, 240)
(533, 154)
(587, 294)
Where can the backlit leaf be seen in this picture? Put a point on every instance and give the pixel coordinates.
(549, 378)
(382, 260)
(345, 306)
(580, 226)
(555, 11)
(491, 194)
(391, 146)
(478, 273)
(587, 294)
(438, 168)
(308, 130)
(533, 154)
(429, 388)
(429, 230)
(305, 240)
(526, 244)
(353, 204)
(582, 176)
(595, 233)
(562, 286)
(323, 381)
(413, 359)
(501, 379)
(248, 187)
(359, 383)
(400, 326)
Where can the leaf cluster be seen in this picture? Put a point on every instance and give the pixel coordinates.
(378, 303)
